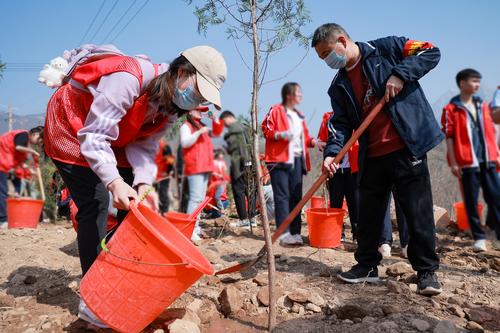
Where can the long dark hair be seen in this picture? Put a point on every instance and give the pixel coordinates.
(161, 88)
(288, 89)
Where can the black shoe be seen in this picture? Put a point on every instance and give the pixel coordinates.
(359, 274)
(428, 284)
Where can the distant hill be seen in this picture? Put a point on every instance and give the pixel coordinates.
(21, 122)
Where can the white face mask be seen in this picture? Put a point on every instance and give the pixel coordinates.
(336, 61)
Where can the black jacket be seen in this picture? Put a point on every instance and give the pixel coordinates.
(409, 111)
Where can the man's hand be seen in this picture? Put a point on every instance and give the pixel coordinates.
(393, 86)
(329, 166)
(151, 200)
(456, 171)
(122, 193)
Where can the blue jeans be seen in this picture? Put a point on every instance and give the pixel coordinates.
(3, 197)
(217, 196)
(197, 190)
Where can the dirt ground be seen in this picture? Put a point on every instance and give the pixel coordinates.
(40, 274)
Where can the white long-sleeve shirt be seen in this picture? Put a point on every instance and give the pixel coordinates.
(114, 94)
(186, 137)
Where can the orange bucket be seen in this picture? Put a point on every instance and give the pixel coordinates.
(146, 265)
(461, 214)
(325, 226)
(217, 127)
(317, 202)
(182, 222)
(23, 212)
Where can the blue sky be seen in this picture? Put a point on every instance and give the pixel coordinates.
(36, 31)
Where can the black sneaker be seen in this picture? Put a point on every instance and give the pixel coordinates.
(428, 284)
(359, 274)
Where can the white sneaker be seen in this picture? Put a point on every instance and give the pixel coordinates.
(385, 250)
(3, 225)
(480, 245)
(298, 239)
(290, 240)
(195, 237)
(84, 313)
(404, 252)
(240, 224)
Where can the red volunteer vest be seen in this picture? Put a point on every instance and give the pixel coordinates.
(10, 157)
(199, 157)
(68, 108)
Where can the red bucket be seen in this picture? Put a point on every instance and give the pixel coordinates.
(317, 202)
(182, 222)
(217, 127)
(23, 212)
(325, 227)
(144, 268)
(461, 214)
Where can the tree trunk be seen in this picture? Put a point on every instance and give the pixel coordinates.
(256, 162)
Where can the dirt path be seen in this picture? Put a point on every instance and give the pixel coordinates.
(39, 279)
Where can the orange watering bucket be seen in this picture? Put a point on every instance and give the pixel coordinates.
(182, 222)
(325, 226)
(317, 202)
(461, 214)
(217, 127)
(146, 265)
(23, 212)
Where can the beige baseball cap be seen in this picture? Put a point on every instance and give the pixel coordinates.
(211, 71)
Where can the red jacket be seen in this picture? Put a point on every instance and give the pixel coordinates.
(10, 157)
(198, 158)
(353, 152)
(68, 108)
(457, 125)
(277, 151)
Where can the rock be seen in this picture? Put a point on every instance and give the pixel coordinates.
(420, 325)
(479, 315)
(284, 302)
(326, 271)
(302, 311)
(183, 326)
(347, 321)
(441, 218)
(17, 278)
(398, 269)
(457, 310)
(263, 294)
(369, 320)
(195, 306)
(313, 307)
(296, 307)
(435, 304)
(159, 331)
(179, 313)
(389, 309)
(261, 280)
(455, 300)
(397, 287)
(350, 311)
(230, 300)
(284, 258)
(495, 264)
(316, 299)
(445, 326)
(474, 327)
(30, 330)
(46, 326)
(208, 312)
(299, 295)
(389, 326)
(212, 256)
(73, 285)
(212, 280)
(30, 279)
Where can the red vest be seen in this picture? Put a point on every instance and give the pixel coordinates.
(68, 109)
(199, 157)
(10, 157)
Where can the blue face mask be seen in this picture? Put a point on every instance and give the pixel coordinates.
(335, 61)
(186, 99)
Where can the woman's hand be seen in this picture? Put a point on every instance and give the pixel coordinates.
(122, 193)
(151, 200)
(329, 166)
(204, 130)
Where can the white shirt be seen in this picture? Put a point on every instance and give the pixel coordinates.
(297, 131)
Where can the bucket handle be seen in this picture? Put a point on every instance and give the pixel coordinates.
(106, 250)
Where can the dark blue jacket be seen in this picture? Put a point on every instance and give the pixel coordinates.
(409, 111)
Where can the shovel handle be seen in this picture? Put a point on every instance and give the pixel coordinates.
(40, 182)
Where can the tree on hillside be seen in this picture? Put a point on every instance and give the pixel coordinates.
(268, 26)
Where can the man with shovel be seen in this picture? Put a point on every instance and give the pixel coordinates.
(394, 146)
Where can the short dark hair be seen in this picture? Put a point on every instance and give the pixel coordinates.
(35, 130)
(226, 114)
(466, 74)
(326, 32)
(288, 89)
